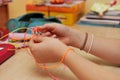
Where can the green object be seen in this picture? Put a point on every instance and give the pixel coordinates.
(100, 8)
(116, 7)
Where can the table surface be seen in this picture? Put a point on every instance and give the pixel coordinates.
(21, 66)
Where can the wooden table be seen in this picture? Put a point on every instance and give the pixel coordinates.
(21, 66)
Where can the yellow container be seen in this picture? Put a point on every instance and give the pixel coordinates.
(65, 18)
(45, 13)
(31, 8)
(68, 15)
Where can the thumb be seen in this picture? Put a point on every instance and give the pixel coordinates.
(37, 39)
(34, 40)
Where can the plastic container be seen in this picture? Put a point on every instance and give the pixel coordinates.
(56, 1)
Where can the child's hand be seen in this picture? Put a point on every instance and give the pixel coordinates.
(46, 49)
(64, 33)
(60, 31)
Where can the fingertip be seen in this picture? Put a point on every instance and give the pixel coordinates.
(46, 34)
(34, 39)
(37, 40)
(49, 24)
(30, 42)
(54, 36)
(46, 25)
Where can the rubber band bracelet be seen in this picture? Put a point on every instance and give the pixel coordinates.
(59, 63)
(85, 41)
(91, 43)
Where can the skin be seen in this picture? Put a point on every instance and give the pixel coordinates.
(57, 34)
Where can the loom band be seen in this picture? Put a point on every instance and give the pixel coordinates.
(57, 64)
(17, 48)
(20, 38)
(4, 36)
(1, 33)
(15, 38)
(37, 32)
(13, 49)
(25, 38)
(50, 74)
(85, 41)
(91, 43)
(13, 32)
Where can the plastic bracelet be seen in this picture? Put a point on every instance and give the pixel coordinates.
(60, 62)
(91, 44)
(85, 41)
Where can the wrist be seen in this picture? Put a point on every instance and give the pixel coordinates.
(76, 38)
(68, 55)
(62, 50)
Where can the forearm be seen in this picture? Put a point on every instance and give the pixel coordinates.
(105, 48)
(86, 70)
(76, 38)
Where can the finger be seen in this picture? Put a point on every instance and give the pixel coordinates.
(31, 43)
(54, 28)
(37, 38)
(46, 34)
(48, 27)
(40, 39)
(45, 39)
(54, 36)
(35, 42)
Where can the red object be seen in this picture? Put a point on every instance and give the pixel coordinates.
(56, 1)
(3, 32)
(6, 51)
(68, 1)
(36, 30)
(114, 2)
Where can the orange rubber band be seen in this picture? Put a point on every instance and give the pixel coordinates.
(60, 62)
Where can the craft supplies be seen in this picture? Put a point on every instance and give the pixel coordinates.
(19, 37)
(3, 32)
(6, 51)
(68, 1)
(56, 1)
(58, 63)
(36, 30)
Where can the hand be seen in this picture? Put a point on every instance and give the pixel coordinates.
(67, 35)
(57, 30)
(46, 49)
